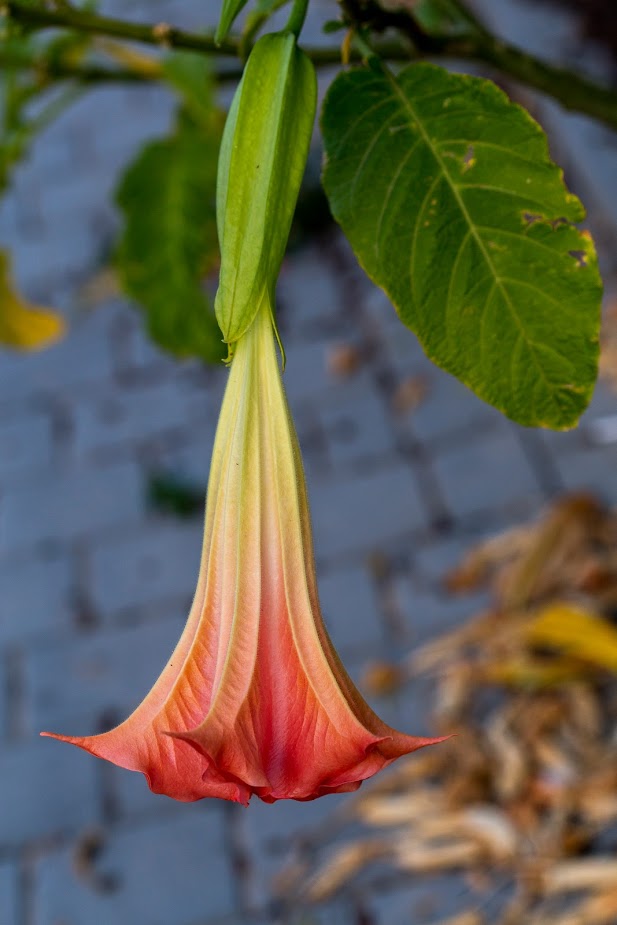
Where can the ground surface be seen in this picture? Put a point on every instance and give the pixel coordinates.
(96, 585)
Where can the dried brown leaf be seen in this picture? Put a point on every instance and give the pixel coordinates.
(343, 865)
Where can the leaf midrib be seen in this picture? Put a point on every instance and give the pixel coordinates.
(465, 212)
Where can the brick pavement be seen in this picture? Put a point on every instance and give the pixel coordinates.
(96, 584)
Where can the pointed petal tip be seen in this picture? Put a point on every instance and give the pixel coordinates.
(57, 735)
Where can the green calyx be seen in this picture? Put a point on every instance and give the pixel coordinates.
(262, 160)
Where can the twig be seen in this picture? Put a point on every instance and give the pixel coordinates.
(47, 70)
(571, 90)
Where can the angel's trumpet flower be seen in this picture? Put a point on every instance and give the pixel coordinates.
(254, 699)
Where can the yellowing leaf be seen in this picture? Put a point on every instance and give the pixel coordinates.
(576, 631)
(22, 325)
(533, 673)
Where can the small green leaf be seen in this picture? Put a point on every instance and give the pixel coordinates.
(229, 11)
(169, 239)
(333, 25)
(170, 494)
(443, 17)
(448, 196)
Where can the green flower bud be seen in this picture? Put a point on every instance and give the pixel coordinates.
(262, 159)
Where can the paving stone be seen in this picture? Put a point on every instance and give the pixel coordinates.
(72, 687)
(171, 872)
(124, 417)
(356, 428)
(188, 460)
(47, 789)
(402, 348)
(277, 823)
(159, 564)
(273, 832)
(337, 912)
(109, 151)
(72, 504)
(360, 513)
(133, 799)
(307, 377)
(449, 410)
(9, 224)
(582, 459)
(488, 474)
(27, 446)
(9, 893)
(141, 352)
(584, 467)
(433, 560)
(349, 601)
(81, 359)
(425, 613)
(37, 598)
(376, 303)
(6, 714)
(420, 902)
(309, 295)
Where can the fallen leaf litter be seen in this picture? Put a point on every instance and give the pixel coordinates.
(527, 787)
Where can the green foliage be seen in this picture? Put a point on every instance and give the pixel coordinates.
(263, 156)
(443, 17)
(448, 196)
(229, 10)
(22, 85)
(170, 494)
(169, 239)
(190, 76)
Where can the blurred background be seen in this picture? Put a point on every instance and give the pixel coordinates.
(105, 445)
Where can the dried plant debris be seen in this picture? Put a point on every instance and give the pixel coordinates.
(526, 789)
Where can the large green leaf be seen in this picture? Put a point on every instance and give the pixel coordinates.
(169, 239)
(449, 198)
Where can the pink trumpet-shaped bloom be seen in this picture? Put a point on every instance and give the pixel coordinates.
(254, 699)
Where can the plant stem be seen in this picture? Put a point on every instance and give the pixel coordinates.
(47, 71)
(297, 17)
(571, 90)
(161, 34)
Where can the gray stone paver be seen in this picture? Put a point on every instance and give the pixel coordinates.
(169, 871)
(66, 506)
(120, 421)
(488, 473)
(9, 892)
(73, 687)
(137, 569)
(37, 598)
(356, 429)
(392, 508)
(44, 792)
(348, 597)
(95, 586)
(26, 446)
